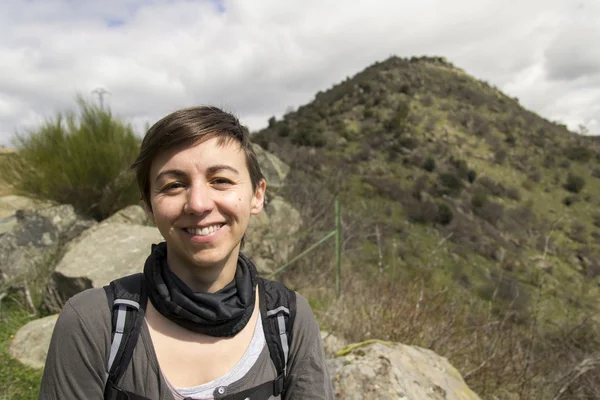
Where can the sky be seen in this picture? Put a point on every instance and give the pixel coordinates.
(261, 58)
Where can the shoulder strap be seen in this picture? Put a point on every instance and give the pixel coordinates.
(278, 311)
(127, 299)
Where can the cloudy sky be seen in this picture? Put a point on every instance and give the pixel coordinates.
(258, 58)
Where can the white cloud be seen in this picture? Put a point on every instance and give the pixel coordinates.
(259, 57)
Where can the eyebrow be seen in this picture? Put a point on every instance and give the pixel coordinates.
(210, 170)
(216, 168)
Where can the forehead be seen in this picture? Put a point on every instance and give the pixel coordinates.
(201, 155)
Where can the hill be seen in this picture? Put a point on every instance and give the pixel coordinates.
(447, 181)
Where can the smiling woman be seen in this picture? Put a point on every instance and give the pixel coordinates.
(212, 328)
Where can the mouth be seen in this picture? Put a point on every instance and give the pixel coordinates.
(206, 231)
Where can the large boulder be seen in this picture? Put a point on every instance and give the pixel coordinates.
(133, 214)
(104, 253)
(9, 205)
(381, 371)
(331, 343)
(29, 249)
(266, 238)
(274, 170)
(30, 344)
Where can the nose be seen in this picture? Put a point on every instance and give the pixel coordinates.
(199, 199)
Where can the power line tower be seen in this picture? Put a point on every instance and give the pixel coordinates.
(100, 92)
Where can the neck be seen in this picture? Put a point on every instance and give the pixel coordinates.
(205, 278)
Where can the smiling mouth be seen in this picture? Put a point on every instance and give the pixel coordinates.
(204, 231)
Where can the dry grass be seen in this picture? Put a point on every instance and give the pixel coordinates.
(500, 356)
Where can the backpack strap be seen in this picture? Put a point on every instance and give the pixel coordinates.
(127, 299)
(278, 311)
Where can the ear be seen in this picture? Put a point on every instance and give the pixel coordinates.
(148, 210)
(258, 199)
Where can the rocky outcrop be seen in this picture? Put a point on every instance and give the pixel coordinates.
(134, 214)
(9, 205)
(266, 241)
(331, 343)
(30, 344)
(29, 248)
(384, 371)
(274, 170)
(106, 252)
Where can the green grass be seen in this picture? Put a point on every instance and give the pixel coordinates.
(16, 380)
(81, 159)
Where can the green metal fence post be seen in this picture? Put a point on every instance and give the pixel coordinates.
(338, 249)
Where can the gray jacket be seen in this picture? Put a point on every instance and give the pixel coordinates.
(76, 363)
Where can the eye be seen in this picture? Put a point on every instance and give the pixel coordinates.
(221, 182)
(171, 187)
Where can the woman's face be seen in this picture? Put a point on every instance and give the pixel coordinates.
(201, 199)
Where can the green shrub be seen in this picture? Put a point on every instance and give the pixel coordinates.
(579, 153)
(310, 138)
(451, 183)
(471, 175)
(284, 130)
(82, 160)
(570, 200)
(479, 199)
(445, 214)
(574, 183)
(429, 164)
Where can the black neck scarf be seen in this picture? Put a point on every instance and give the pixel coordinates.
(223, 313)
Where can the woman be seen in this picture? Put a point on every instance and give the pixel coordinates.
(206, 333)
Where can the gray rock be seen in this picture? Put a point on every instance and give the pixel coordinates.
(331, 343)
(102, 254)
(272, 168)
(11, 203)
(134, 214)
(265, 243)
(29, 248)
(385, 371)
(30, 344)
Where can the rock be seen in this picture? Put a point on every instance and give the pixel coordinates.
(11, 203)
(264, 241)
(104, 253)
(133, 214)
(29, 248)
(272, 168)
(381, 371)
(30, 344)
(332, 343)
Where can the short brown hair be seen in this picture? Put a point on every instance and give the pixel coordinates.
(186, 127)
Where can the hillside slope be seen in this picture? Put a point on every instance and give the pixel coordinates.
(442, 176)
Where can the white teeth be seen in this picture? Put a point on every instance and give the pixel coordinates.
(204, 231)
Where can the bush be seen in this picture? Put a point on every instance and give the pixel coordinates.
(579, 153)
(471, 175)
(570, 200)
(452, 183)
(429, 164)
(81, 160)
(284, 131)
(445, 214)
(513, 193)
(574, 183)
(479, 199)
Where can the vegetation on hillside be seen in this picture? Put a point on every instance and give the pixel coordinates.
(80, 158)
(466, 199)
